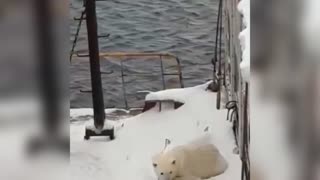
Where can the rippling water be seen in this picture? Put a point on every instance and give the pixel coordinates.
(185, 28)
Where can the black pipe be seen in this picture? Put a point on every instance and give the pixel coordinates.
(48, 65)
(97, 94)
(245, 137)
(49, 83)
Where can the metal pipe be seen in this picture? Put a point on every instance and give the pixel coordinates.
(180, 73)
(97, 94)
(48, 66)
(162, 72)
(123, 86)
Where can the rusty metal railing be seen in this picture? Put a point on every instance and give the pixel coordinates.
(134, 56)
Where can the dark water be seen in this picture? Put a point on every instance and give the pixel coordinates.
(185, 28)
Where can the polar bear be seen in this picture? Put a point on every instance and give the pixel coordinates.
(193, 161)
(187, 178)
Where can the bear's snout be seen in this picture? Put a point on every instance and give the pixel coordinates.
(165, 176)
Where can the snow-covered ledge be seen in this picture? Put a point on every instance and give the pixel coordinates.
(244, 36)
(176, 94)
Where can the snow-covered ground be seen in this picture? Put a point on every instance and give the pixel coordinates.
(129, 155)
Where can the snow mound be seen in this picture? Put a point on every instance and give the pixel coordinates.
(141, 136)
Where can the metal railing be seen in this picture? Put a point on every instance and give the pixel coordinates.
(227, 74)
(118, 55)
(135, 56)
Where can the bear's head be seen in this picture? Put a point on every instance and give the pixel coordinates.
(165, 166)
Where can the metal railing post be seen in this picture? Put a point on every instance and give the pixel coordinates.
(97, 94)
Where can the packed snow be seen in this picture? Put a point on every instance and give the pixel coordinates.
(141, 136)
(244, 36)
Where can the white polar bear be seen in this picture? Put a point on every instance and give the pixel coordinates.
(193, 161)
(187, 178)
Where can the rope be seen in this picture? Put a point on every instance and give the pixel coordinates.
(216, 78)
(220, 39)
(246, 138)
(234, 118)
(217, 41)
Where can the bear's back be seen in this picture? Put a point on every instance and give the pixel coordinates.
(201, 160)
(187, 178)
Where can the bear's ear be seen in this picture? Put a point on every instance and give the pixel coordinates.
(155, 164)
(173, 162)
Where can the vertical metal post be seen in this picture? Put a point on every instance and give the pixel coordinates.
(245, 134)
(97, 94)
(180, 73)
(50, 91)
(162, 74)
(219, 44)
(124, 86)
(48, 66)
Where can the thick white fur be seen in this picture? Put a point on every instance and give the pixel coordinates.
(197, 159)
(187, 178)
